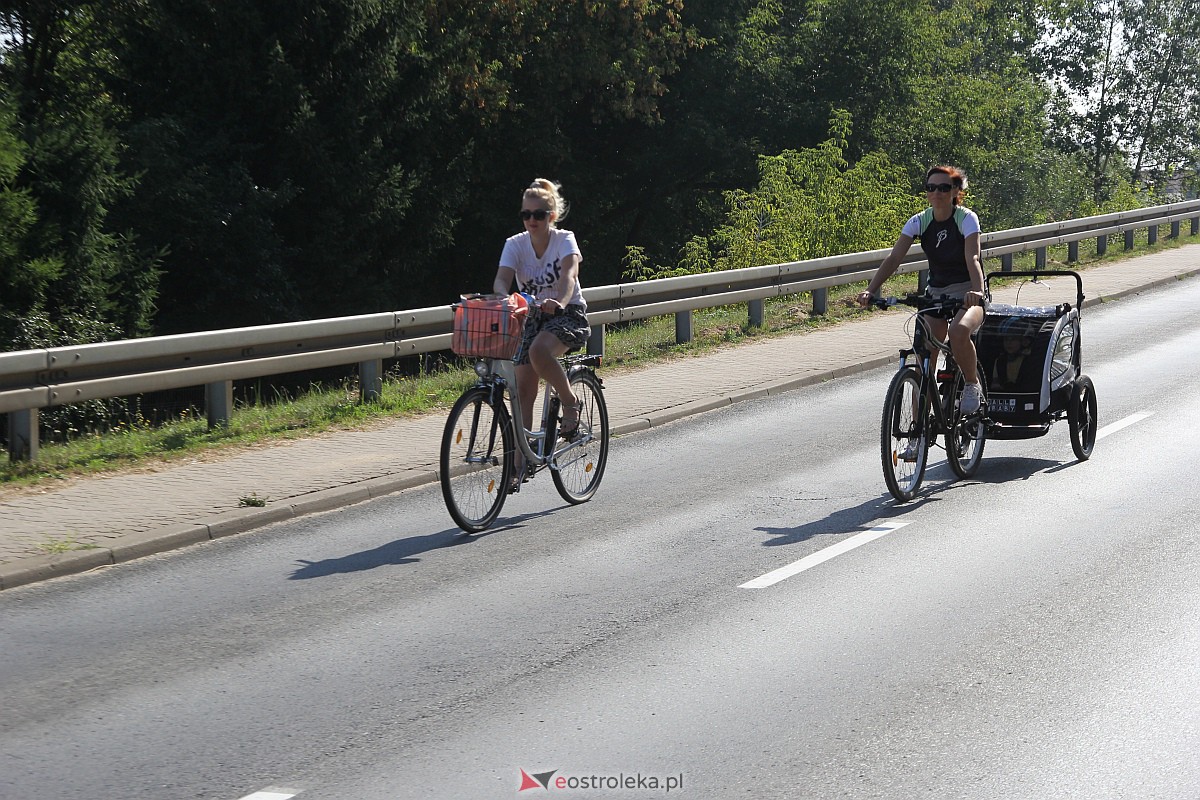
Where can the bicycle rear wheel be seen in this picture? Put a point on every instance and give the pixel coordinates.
(904, 440)
(580, 463)
(476, 460)
(966, 437)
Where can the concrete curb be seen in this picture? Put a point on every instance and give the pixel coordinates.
(132, 546)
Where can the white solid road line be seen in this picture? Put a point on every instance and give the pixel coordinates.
(821, 556)
(272, 794)
(1122, 423)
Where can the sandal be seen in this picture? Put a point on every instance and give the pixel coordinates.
(568, 427)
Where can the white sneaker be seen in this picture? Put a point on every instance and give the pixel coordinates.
(972, 398)
(909, 451)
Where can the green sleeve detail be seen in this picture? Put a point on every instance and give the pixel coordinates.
(926, 218)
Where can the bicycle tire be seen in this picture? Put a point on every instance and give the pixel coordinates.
(476, 459)
(578, 470)
(904, 427)
(965, 440)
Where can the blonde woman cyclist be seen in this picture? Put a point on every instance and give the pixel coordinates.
(544, 260)
(949, 234)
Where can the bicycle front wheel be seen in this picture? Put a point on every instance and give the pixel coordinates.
(476, 460)
(967, 435)
(579, 464)
(904, 440)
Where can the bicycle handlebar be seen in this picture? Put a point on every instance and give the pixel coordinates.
(922, 302)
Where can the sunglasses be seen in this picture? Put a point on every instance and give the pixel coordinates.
(539, 214)
(939, 187)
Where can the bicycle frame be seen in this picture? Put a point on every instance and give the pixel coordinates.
(926, 361)
(502, 377)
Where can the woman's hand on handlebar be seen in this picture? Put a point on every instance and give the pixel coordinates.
(550, 306)
(865, 298)
(972, 298)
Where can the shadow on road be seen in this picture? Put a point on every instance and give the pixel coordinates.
(401, 551)
(938, 481)
(397, 552)
(839, 522)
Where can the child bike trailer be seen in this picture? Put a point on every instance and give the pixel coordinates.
(1032, 362)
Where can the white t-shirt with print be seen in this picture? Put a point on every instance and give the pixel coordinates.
(540, 276)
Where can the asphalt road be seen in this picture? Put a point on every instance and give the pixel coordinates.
(1028, 633)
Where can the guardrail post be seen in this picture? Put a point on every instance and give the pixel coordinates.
(1039, 258)
(218, 402)
(1006, 262)
(820, 300)
(1128, 240)
(1101, 245)
(1152, 234)
(1195, 225)
(595, 343)
(1072, 252)
(683, 327)
(1175, 229)
(23, 435)
(757, 310)
(370, 380)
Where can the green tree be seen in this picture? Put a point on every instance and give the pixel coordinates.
(326, 157)
(765, 80)
(73, 263)
(579, 94)
(1162, 129)
(812, 203)
(1129, 72)
(23, 279)
(975, 99)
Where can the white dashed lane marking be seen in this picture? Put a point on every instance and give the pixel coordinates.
(1121, 423)
(821, 556)
(272, 794)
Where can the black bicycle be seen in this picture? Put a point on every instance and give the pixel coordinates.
(922, 404)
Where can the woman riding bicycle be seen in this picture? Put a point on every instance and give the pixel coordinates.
(545, 260)
(950, 238)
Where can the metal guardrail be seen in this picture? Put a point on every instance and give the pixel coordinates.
(34, 379)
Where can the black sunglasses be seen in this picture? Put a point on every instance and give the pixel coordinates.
(939, 187)
(538, 214)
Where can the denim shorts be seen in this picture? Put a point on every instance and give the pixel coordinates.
(570, 326)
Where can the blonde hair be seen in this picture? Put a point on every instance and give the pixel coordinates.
(548, 192)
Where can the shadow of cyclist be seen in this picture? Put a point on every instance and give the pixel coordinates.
(839, 522)
(401, 551)
(940, 481)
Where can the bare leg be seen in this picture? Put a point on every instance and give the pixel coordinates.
(527, 387)
(937, 329)
(543, 356)
(961, 343)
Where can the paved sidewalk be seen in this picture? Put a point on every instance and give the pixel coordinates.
(115, 519)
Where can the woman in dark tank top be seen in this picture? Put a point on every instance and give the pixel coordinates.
(949, 235)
